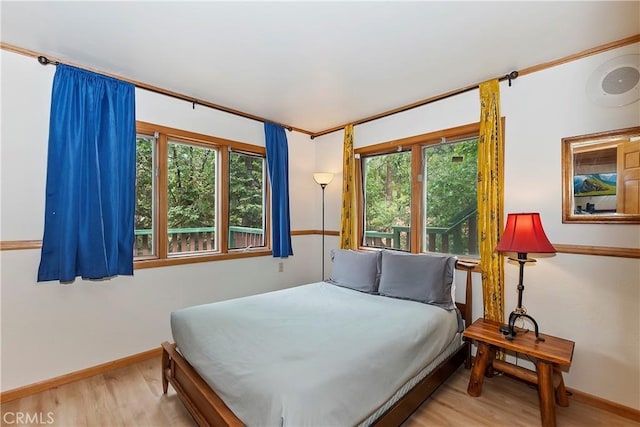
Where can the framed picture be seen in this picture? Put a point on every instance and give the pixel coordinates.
(595, 184)
(601, 177)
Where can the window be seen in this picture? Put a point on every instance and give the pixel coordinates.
(144, 225)
(246, 200)
(420, 194)
(450, 179)
(191, 198)
(387, 200)
(198, 198)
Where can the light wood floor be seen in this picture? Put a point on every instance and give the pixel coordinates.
(132, 396)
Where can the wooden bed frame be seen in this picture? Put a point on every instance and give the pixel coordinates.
(208, 409)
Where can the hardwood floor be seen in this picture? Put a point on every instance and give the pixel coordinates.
(504, 402)
(132, 396)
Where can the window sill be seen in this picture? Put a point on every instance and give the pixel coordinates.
(191, 259)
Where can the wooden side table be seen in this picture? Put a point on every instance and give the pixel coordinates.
(550, 355)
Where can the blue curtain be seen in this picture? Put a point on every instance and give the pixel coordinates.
(90, 190)
(278, 164)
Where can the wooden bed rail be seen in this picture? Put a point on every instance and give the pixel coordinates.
(204, 405)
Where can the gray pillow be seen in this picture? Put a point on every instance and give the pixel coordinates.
(423, 278)
(356, 270)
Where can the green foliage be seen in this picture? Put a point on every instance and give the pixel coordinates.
(387, 191)
(191, 186)
(450, 179)
(449, 176)
(144, 183)
(451, 172)
(246, 183)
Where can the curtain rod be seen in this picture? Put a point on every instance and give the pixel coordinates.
(194, 101)
(511, 76)
(593, 51)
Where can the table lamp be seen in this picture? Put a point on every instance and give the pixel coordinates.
(523, 234)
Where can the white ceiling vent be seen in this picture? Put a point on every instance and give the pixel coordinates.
(616, 82)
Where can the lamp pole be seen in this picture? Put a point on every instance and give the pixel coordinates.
(509, 330)
(323, 178)
(322, 257)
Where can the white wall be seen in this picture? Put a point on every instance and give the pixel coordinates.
(592, 300)
(50, 329)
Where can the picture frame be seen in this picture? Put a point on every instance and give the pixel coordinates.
(601, 177)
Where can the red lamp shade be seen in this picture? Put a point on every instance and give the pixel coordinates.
(524, 234)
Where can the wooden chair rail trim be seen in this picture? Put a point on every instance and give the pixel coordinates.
(14, 245)
(20, 392)
(597, 250)
(311, 232)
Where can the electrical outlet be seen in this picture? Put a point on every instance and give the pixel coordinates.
(280, 267)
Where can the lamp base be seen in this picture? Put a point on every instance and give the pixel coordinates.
(509, 331)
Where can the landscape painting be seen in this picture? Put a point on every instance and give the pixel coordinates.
(595, 184)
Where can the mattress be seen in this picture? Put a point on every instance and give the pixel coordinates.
(313, 355)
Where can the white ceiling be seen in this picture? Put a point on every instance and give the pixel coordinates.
(314, 65)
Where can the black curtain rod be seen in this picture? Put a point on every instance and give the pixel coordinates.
(46, 61)
(511, 76)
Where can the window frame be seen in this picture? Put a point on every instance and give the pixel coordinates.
(363, 193)
(265, 195)
(164, 135)
(415, 144)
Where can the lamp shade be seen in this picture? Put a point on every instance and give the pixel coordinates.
(323, 178)
(524, 234)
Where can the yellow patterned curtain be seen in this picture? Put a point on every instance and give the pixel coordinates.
(490, 199)
(348, 218)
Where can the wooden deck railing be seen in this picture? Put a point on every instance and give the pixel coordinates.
(460, 238)
(198, 239)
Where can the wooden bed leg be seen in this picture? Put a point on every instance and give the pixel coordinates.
(165, 366)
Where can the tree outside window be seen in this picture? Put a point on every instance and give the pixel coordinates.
(443, 218)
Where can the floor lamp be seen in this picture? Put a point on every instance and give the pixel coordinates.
(523, 234)
(323, 178)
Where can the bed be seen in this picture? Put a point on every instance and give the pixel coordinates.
(357, 350)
